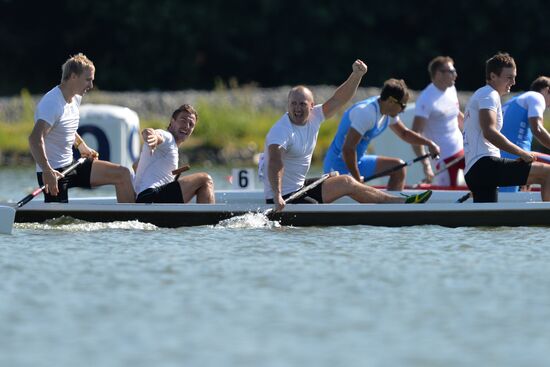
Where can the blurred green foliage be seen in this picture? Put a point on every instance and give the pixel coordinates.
(14, 134)
(222, 125)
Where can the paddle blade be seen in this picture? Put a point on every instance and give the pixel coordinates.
(7, 217)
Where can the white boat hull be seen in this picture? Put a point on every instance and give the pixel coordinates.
(521, 209)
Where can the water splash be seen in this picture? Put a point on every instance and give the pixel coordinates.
(249, 220)
(68, 224)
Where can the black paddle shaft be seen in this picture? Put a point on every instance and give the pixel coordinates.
(397, 167)
(31, 196)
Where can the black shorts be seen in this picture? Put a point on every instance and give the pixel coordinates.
(490, 173)
(311, 196)
(166, 194)
(79, 177)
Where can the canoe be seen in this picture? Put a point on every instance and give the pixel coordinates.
(518, 209)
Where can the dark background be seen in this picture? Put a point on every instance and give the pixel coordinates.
(175, 45)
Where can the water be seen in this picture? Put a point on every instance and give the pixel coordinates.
(254, 293)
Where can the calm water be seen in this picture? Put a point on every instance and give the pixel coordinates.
(257, 294)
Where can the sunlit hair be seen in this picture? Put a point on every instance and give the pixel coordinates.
(301, 89)
(496, 63)
(185, 108)
(437, 63)
(395, 88)
(540, 83)
(75, 65)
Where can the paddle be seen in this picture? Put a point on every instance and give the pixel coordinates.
(443, 169)
(449, 165)
(178, 171)
(303, 190)
(7, 213)
(464, 197)
(397, 167)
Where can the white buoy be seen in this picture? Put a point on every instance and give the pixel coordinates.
(7, 217)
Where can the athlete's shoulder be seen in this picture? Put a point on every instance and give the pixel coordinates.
(533, 98)
(282, 126)
(371, 108)
(51, 106)
(428, 95)
(317, 113)
(487, 92)
(430, 89)
(54, 95)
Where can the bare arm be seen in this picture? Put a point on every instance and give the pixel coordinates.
(38, 151)
(418, 127)
(152, 138)
(275, 169)
(349, 152)
(83, 148)
(539, 131)
(413, 137)
(36, 143)
(488, 123)
(346, 91)
(460, 118)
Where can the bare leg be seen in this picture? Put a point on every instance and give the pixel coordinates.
(199, 184)
(540, 174)
(542, 158)
(107, 173)
(397, 178)
(345, 185)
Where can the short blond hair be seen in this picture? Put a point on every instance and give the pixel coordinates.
(75, 65)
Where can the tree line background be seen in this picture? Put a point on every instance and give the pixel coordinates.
(175, 45)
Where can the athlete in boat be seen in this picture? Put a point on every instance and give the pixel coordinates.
(483, 141)
(155, 181)
(55, 134)
(524, 117)
(363, 122)
(437, 116)
(289, 147)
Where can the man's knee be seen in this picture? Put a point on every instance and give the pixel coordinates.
(110, 174)
(123, 174)
(539, 173)
(400, 173)
(207, 179)
(200, 179)
(346, 180)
